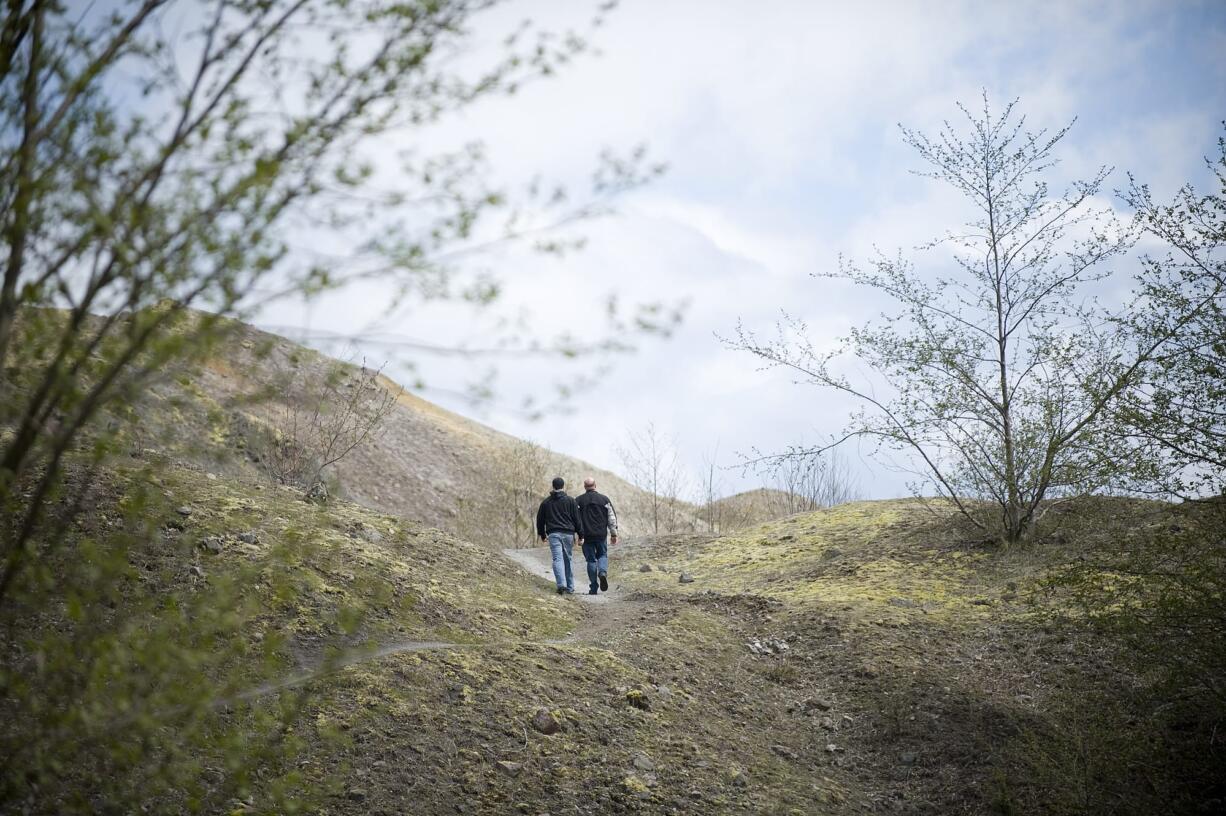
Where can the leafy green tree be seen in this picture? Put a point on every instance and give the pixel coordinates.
(1176, 413)
(166, 166)
(994, 376)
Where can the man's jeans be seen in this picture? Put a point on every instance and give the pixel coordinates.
(596, 554)
(562, 546)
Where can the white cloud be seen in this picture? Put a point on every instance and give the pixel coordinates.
(778, 120)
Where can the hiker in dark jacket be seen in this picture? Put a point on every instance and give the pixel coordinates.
(599, 529)
(557, 521)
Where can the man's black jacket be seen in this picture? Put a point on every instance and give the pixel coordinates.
(558, 514)
(596, 513)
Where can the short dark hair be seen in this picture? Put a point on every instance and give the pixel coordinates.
(558, 483)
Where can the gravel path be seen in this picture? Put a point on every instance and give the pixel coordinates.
(539, 562)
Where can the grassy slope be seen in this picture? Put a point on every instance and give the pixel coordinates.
(653, 695)
(946, 685)
(412, 582)
(923, 675)
(750, 508)
(916, 676)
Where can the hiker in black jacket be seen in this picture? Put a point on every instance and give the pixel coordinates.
(557, 521)
(599, 529)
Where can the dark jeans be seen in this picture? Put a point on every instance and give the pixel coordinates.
(596, 554)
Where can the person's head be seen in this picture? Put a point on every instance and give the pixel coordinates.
(589, 483)
(558, 483)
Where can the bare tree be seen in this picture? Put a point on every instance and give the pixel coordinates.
(808, 481)
(795, 476)
(798, 480)
(521, 471)
(995, 377)
(318, 418)
(712, 508)
(652, 464)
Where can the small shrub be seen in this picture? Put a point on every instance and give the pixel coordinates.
(782, 672)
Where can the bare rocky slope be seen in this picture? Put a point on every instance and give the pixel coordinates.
(425, 462)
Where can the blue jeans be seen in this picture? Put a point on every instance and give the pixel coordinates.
(596, 554)
(561, 547)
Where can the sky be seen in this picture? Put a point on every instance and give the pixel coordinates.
(779, 124)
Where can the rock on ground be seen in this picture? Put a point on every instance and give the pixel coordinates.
(545, 722)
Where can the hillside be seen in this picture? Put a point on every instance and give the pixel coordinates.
(425, 462)
(870, 658)
(198, 639)
(457, 686)
(750, 508)
(935, 673)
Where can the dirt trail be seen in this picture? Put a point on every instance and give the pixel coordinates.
(611, 612)
(538, 562)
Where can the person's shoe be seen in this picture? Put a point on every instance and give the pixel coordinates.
(593, 592)
(604, 582)
(570, 590)
(561, 590)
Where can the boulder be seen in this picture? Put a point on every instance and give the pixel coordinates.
(685, 578)
(544, 721)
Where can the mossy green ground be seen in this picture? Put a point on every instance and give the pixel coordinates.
(407, 581)
(848, 555)
(919, 663)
